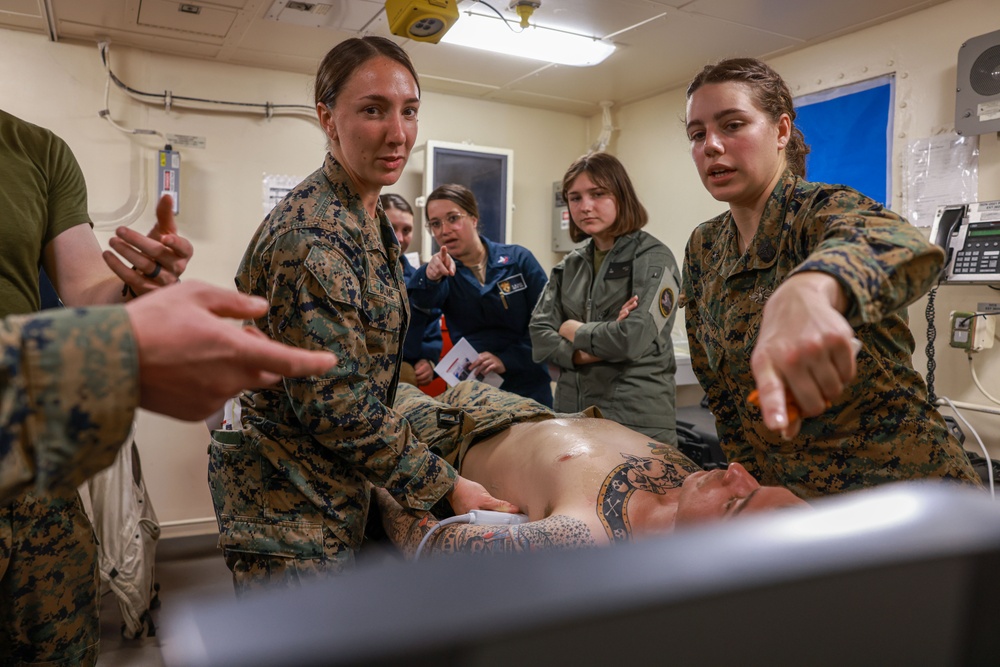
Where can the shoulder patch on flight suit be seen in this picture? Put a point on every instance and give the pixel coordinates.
(665, 301)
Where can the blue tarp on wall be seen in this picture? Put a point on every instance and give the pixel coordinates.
(850, 132)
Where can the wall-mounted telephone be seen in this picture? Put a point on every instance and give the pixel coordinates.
(970, 235)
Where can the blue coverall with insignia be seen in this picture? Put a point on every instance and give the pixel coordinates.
(490, 319)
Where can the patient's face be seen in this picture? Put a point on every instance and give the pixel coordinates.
(718, 494)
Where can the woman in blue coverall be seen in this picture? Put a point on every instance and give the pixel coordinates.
(486, 290)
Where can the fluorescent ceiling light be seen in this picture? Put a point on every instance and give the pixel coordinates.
(501, 36)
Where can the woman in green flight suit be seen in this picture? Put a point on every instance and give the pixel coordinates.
(605, 317)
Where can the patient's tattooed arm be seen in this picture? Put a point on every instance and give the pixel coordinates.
(406, 528)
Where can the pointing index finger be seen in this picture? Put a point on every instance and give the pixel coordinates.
(771, 396)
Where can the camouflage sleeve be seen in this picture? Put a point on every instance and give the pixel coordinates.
(328, 306)
(880, 259)
(654, 281)
(69, 384)
(546, 343)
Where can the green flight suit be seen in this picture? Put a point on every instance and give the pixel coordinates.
(634, 384)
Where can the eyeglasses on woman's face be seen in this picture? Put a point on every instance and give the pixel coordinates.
(453, 220)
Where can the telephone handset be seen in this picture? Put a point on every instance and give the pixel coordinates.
(970, 235)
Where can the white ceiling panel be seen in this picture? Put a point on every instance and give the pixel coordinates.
(460, 63)
(99, 14)
(806, 20)
(330, 14)
(268, 39)
(26, 8)
(232, 4)
(22, 22)
(662, 43)
(549, 102)
(595, 18)
(167, 14)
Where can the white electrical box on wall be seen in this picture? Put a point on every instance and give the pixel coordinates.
(972, 331)
(168, 175)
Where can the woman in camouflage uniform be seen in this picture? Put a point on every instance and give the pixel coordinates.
(783, 288)
(291, 491)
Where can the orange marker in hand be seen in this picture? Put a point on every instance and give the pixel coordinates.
(791, 407)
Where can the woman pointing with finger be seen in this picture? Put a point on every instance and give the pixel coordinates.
(486, 290)
(786, 286)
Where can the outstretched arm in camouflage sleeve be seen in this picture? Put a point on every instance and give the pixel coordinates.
(863, 262)
(70, 380)
(407, 528)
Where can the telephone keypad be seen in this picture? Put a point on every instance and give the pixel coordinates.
(978, 257)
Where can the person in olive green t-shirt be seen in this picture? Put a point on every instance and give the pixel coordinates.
(43, 206)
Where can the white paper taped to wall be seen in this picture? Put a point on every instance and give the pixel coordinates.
(276, 186)
(939, 171)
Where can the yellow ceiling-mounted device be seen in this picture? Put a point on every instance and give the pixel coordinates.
(524, 9)
(422, 20)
